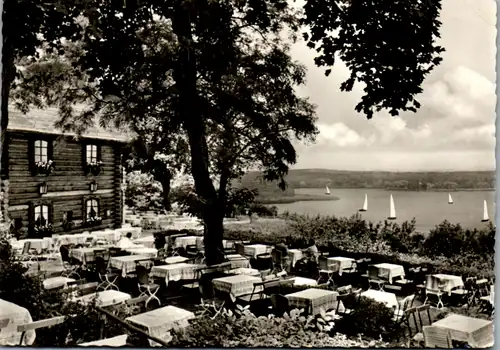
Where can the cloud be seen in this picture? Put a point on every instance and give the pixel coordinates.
(455, 126)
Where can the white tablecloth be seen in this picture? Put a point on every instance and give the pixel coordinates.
(159, 322)
(118, 341)
(77, 238)
(237, 285)
(388, 299)
(256, 249)
(55, 282)
(148, 241)
(238, 261)
(175, 260)
(317, 298)
(104, 298)
(294, 255)
(444, 283)
(478, 333)
(340, 263)
(245, 271)
(149, 252)
(109, 236)
(86, 255)
(175, 272)
(184, 241)
(301, 281)
(390, 271)
(17, 315)
(127, 263)
(36, 243)
(136, 231)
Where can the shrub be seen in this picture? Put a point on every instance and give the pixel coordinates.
(370, 318)
(243, 329)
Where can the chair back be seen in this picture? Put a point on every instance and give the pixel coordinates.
(277, 256)
(64, 250)
(323, 263)
(142, 274)
(115, 251)
(344, 289)
(100, 265)
(407, 302)
(373, 272)
(240, 249)
(280, 304)
(26, 248)
(437, 337)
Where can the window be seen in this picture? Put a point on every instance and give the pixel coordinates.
(91, 153)
(41, 151)
(41, 215)
(68, 215)
(91, 208)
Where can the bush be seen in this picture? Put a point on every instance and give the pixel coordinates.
(243, 329)
(143, 192)
(372, 319)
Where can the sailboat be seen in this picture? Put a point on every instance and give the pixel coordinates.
(485, 212)
(327, 192)
(450, 200)
(392, 212)
(365, 204)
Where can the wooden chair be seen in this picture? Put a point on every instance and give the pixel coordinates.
(325, 270)
(411, 314)
(437, 337)
(403, 305)
(107, 276)
(374, 280)
(145, 285)
(434, 293)
(49, 322)
(278, 261)
(70, 269)
(27, 254)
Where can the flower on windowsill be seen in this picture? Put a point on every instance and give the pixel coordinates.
(94, 167)
(43, 229)
(94, 221)
(44, 167)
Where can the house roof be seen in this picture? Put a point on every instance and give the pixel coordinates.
(43, 121)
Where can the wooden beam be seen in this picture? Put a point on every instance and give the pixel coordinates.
(75, 193)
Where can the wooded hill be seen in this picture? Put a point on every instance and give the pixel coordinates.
(318, 178)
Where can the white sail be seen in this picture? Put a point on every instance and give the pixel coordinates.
(450, 200)
(485, 212)
(365, 204)
(392, 212)
(327, 190)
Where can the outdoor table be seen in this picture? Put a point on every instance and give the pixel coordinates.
(237, 285)
(256, 249)
(226, 244)
(478, 333)
(175, 272)
(56, 282)
(147, 241)
(78, 238)
(238, 261)
(104, 298)
(444, 283)
(118, 341)
(86, 255)
(389, 299)
(175, 260)
(302, 281)
(36, 243)
(149, 252)
(17, 315)
(339, 264)
(390, 271)
(314, 298)
(294, 255)
(184, 241)
(109, 236)
(244, 271)
(127, 263)
(159, 322)
(135, 231)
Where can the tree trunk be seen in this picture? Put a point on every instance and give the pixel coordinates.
(165, 184)
(190, 114)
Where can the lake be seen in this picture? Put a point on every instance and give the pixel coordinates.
(428, 208)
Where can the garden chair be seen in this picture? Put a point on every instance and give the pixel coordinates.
(411, 314)
(374, 279)
(436, 337)
(279, 261)
(280, 304)
(70, 269)
(434, 294)
(344, 290)
(145, 284)
(403, 305)
(49, 322)
(27, 254)
(482, 287)
(240, 249)
(325, 270)
(107, 276)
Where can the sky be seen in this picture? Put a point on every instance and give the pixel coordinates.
(453, 130)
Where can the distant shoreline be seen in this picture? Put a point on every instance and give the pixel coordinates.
(404, 189)
(296, 198)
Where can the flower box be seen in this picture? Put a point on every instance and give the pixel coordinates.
(43, 230)
(44, 168)
(94, 168)
(93, 221)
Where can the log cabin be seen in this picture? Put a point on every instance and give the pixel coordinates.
(53, 182)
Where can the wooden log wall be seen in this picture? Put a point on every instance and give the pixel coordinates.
(68, 184)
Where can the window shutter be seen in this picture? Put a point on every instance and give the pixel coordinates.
(31, 154)
(51, 213)
(50, 149)
(84, 157)
(99, 155)
(98, 207)
(84, 209)
(31, 217)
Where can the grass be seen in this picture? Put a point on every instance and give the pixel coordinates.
(296, 198)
